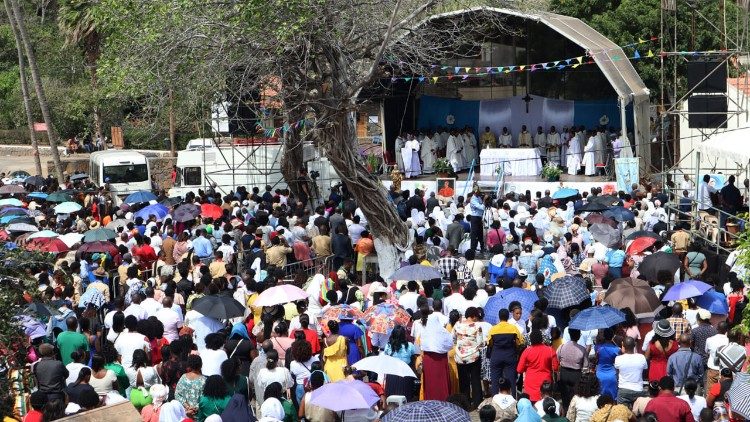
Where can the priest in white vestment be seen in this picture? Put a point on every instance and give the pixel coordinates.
(564, 144)
(411, 158)
(506, 139)
(540, 143)
(400, 142)
(589, 154)
(573, 155)
(441, 140)
(427, 151)
(524, 138)
(470, 146)
(601, 145)
(454, 152)
(553, 146)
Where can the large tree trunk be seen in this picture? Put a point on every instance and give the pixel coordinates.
(172, 126)
(337, 139)
(38, 87)
(25, 89)
(292, 158)
(92, 49)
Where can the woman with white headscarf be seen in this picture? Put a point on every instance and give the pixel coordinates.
(172, 411)
(435, 343)
(158, 393)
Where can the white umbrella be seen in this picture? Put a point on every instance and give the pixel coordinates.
(383, 365)
(71, 239)
(22, 227)
(280, 294)
(43, 233)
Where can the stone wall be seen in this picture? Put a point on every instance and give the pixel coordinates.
(161, 167)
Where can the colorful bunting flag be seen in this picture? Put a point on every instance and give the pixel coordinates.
(650, 53)
(434, 79)
(637, 55)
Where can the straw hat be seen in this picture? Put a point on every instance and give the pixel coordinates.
(93, 225)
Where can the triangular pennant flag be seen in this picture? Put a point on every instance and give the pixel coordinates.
(580, 59)
(561, 67)
(576, 65)
(637, 55)
(507, 70)
(650, 53)
(467, 69)
(511, 68)
(568, 61)
(556, 63)
(477, 69)
(444, 67)
(450, 77)
(421, 79)
(500, 69)
(533, 67)
(407, 79)
(521, 68)
(654, 38)
(434, 79)
(456, 70)
(393, 79)
(641, 41)
(465, 77)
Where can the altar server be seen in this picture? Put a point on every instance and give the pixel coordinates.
(573, 156)
(427, 151)
(470, 146)
(454, 151)
(400, 142)
(411, 156)
(589, 154)
(524, 138)
(540, 143)
(487, 138)
(506, 140)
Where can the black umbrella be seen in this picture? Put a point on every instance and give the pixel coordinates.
(22, 219)
(594, 207)
(186, 212)
(35, 181)
(79, 176)
(219, 307)
(642, 233)
(608, 200)
(171, 201)
(659, 261)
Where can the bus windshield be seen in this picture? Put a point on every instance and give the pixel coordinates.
(129, 173)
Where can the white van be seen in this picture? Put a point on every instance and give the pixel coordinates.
(126, 171)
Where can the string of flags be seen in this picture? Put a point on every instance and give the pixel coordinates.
(464, 72)
(273, 132)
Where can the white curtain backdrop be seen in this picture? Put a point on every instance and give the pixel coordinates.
(511, 113)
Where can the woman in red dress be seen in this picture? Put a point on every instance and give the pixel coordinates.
(661, 347)
(537, 363)
(435, 342)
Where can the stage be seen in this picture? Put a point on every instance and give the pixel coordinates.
(518, 184)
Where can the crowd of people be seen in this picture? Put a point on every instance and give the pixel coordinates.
(576, 149)
(494, 334)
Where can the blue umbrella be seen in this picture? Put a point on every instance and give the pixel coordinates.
(11, 201)
(686, 289)
(503, 298)
(619, 214)
(416, 272)
(597, 317)
(6, 219)
(714, 302)
(159, 210)
(14, 211)
(67, 208)
(140, 196)
(565, 193)
(37, 195)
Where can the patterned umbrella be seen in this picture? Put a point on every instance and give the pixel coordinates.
(99, 235)
(597, 317)
(140, 196)
(427, 411)
(739, 394)
(652, 264)
(211, 211)
(640, 244)
(338, 313)
(93, 297)
(635, 294)
(383, 317)
(566, 291)
(186, 212)
(686, 289)
(503, 298)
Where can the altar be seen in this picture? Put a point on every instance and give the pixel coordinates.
(518, 161)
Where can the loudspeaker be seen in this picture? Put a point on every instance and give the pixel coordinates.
(715, 104)
(699, 69)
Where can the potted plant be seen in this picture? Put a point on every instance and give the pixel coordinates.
(442, 167)
(551, 172)
(372, 163)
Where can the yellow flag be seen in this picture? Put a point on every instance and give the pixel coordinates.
(580, 59)
(467, 69)
(650, 53)
(640, 41)
(434, 79)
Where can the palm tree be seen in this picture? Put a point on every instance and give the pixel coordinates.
(25, 90)
(36, 77)
(76, 20)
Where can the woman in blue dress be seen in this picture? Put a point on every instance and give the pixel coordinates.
(353, 335)
(606, 353)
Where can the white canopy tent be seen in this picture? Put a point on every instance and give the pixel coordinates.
(731, 145)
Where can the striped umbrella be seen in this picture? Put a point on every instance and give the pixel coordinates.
(566, 291)
(739, 394)
(427, 411)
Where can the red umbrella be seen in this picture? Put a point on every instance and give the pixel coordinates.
(99, 246)
(640, 244)
(47, 244)
(211, 210)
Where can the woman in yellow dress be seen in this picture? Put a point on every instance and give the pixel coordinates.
(334, 353)
(453, 318)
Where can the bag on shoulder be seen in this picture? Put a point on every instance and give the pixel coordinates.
(731, 356)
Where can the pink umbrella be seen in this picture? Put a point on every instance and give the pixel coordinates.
(280, 294)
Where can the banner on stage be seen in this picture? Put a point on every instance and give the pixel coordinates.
(446, 189)
(626, 171)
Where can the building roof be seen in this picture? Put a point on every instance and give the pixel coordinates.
(610, 58)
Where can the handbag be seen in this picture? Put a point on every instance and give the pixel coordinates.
(139, 395)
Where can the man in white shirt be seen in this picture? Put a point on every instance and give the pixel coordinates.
(150, 304)
(630, 367)
(135, 309)
(129, 341)
(409, 299)
(170, 319)
(704, 193)
(202, 326)
(456, 300)
(356, 229)
(713, 344)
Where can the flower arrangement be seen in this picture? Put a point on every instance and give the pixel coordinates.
(551, 172)
(442, 166)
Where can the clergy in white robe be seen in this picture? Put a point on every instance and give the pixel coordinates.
(442, 141)
(454, 152)
(564, 144)
(573, 156)
(601, 146)
(427, 151)
(540, 143)
(553, 146)
(626, 151)
(589, 155)
(411, 156)
(524, 138)
(506, 139)
(470, 147)
(400, 142)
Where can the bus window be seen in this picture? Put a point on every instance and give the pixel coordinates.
(192, 176)
(129, 173)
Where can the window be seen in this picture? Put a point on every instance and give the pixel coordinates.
(129, 173)
(192, 176)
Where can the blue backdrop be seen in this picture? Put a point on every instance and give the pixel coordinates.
(433, 111)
